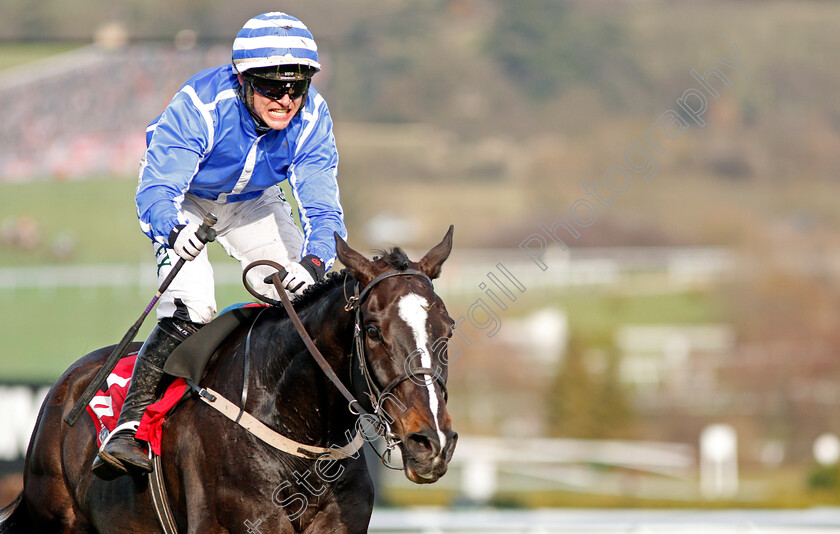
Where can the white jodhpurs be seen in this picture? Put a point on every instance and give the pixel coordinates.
(259, 229)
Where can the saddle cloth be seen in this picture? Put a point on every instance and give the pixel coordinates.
(187, 361)
(105, 407)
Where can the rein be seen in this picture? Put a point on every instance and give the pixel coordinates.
(375, 395)
(239, 416)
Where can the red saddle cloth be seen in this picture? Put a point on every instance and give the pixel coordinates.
(105, 407)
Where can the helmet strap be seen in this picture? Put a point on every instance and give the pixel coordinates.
(246, 95)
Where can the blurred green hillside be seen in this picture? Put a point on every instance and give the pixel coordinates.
(513, 106)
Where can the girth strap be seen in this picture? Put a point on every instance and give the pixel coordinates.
(270, 437)
(160, 500)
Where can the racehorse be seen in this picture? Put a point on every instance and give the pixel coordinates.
(218, 476)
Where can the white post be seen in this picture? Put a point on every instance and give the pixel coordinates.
(827, 449)
(479, 480)
(718, 462)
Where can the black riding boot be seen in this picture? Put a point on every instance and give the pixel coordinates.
(123, 454)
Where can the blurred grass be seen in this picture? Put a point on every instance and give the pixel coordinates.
(780, 488)
(14, 54)
(42, 331)
(595, 313)
(97, 214)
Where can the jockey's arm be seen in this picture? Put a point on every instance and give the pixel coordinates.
(313, 179)
(176, 142)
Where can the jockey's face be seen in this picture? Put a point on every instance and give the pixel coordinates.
(276, 114)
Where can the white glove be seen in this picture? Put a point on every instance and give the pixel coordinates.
(297, 279)
(185, 242)
(303, 274)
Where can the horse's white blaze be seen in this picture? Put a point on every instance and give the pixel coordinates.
(412, 309)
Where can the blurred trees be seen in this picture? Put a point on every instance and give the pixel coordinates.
(586, 404)
(539, 48)
(548, 47)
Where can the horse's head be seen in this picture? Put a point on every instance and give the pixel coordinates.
(405, 330)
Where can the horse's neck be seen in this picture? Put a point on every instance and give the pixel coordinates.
(287, 389)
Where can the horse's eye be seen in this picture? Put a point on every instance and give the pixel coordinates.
(372, 332)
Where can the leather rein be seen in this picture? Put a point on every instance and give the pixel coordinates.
(376, 395)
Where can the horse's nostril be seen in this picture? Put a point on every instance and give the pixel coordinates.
(450, 445)
(421, 444)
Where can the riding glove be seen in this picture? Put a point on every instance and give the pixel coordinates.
(303, 274)
(185, 242)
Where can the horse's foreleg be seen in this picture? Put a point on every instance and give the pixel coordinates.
(349, 510)
(333, 520)
(50, 502)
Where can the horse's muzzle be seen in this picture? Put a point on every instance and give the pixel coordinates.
(426, 456)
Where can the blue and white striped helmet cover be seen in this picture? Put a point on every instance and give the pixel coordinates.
(273, 39)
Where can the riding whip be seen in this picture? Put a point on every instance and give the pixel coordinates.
(204, 233)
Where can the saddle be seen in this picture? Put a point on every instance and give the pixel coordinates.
(188, 361)
(190, 358)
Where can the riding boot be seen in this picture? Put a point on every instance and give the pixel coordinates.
(122, 453)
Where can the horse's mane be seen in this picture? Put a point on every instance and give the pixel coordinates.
(395, 258)
(321, 288)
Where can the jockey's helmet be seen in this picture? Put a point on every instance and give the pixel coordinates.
(275, 46)
(275, 54)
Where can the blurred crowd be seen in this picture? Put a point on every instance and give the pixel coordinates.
(64, 121)
(24, 233)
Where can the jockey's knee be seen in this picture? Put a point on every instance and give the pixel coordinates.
(196, 310)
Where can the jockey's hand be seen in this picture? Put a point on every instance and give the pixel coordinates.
(303, 274)
(184, 241)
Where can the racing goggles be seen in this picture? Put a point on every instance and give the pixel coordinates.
(277, 89)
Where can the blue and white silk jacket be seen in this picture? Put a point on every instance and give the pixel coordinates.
(205, 143)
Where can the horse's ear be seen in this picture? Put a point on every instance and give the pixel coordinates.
(359, 266)
(433, 260)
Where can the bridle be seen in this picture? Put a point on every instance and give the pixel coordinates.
(375, 395)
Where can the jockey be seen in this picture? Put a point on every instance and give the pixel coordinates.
(221, 146)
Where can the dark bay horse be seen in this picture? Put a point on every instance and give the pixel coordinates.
(219, 477)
